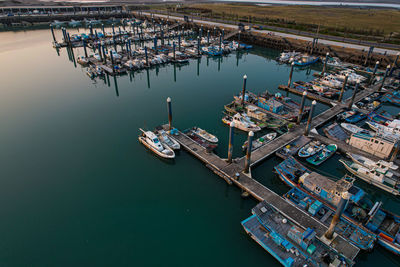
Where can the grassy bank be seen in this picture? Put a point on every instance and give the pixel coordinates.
(367, 24)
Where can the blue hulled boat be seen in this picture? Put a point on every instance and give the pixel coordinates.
(289, 244)
(355, 234)
(359, 209)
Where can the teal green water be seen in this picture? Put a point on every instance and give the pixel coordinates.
(76, 187)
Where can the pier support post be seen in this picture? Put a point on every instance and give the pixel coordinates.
(384, 77)
(341, 206)
(244, 88)
(290, 74)
(374, 72)
(343, 88)
(112, 61)
(394, 64)
(325, 64)
(52, 33)
(147, 57)
(248, 153)
(354, 95)
(113, 30)
(169, 113)
(99, 48)
(198, 46)
(104, 54)
(91, 30)
(208, 37)
(230, 145)
(220, 42)
(179, 42)
(155, 42)
(223, 33)
(310, 115)
(102, 27)
(371, 48)
(173, 47)
(302, 103)
(84, 48)
(201, 31)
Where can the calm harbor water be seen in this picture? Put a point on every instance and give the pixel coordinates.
(77, 188)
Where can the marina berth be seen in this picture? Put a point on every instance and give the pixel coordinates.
(289, 244)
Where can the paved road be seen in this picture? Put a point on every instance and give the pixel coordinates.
(289, 35)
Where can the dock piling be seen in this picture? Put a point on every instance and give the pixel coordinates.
(384, 77)
(198, 46)
(102, 27)
(220, 42)
(104, 54)
(343, 87)
(325, 64)
(303, 101)
(208, 37)
(147, 57)
(291, 74)
(244, 88)
(374, 72)
(169, 112)
(84, 48)
(342, 204)
(113, 29)
(173, 48)
(179, 42)
(394, 64)
(52, 33)
(310, 115)
(230, 145)
(248, 153)
(354, 95)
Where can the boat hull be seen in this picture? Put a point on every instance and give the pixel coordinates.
(158, 153)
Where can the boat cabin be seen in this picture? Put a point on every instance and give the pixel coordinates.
(254, 112)
(324, 187)
(271, 105)
(379, 146)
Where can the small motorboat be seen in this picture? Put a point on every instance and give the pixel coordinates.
(320, 157)
(310, 149)
(205, 135)
(241, 123)
(207, 145)
(260, 141)
(151, 141)
(167, 140)
(369, 163)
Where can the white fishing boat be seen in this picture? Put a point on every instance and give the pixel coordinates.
(385, 130)
(354, 129)
(165, 139)
(330, 81)
(369, 163)
(381, 178)
(151, 141)
(241, 123)
(353, 77)
(205, 135)
(260, 141)
(310, 149)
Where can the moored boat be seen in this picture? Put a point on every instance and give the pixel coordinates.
(310, 149)
(165, 139)
(265, 139)
(349, 230)
(205, 135)
(291, 245)
(320, 157)
(379, 177)
(151, 141)
(241, 123)
(353, 129)
(359, 209)
(336, 132)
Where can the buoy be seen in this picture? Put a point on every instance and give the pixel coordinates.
(245, 194)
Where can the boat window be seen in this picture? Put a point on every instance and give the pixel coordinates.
(317, 189)
(155, 140)
(376, 142)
